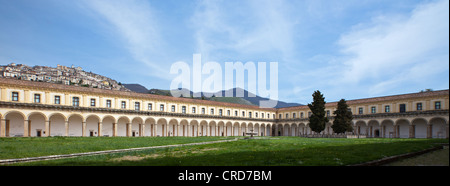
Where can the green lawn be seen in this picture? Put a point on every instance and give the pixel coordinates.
(33, 147)
(273, 151)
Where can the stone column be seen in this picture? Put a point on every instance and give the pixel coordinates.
(26, 129)
(83, 129)
(99, 133)
(3, 127)
(47, 128)
(66, 126)
(412, 131)
(114, 126)
(187, 130)
(429, 131)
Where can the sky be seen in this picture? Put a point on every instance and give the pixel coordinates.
(347, 49)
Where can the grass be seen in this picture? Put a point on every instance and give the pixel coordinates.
(33, 147)
(279, 151)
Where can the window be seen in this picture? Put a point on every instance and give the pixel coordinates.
(328, 113)
(262, 115)
(387, 108)
(108, 103)
(193, 110)
(279, 116)
(150, 106)
(293, 115)
(256, 115)
(228, 112)
(243, 113)
(235, 113)
(273, 116)
(137, 106)
(360, 110)
(212, 111)
(402, 108)
(57, 100)
(203, 111)
(92, 102)
(373, 110)
(173, 108)
(15, 96)
(75, 101)
(220, 112)
(419, 106)
(250, 114)
(183, 109)
(301, 115)
(437, 105)
(37, 98)
(161, 107)
(309, 114)
(124, 104)
(287, 116)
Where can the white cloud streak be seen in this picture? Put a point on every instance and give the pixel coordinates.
(392, 45)
(137, 26)
(249, 28)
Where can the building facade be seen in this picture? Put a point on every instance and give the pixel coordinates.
(45, 109)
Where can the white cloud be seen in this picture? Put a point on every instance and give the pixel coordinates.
(137, 27)
(392, 45)
(247, 28)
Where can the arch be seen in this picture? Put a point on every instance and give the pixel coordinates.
(15, 124)
(172, 128)
(256, 129)
(220, 128)
(419, 127)
(37, 113)
(294, 129)
(137, 126)
(57, 125)
(36, 124)
(184, 128)
(361, 127)
(194, 127)
(57, 114)
(75, 125)
(203, 128)
(374, 128)
(92, 125)
(122, 128)
(161, 126)
(243, 129)
(150, 124)
(438, 127)
(402, 128)
(108, 123)
(286, 130)
(387, 128)
(235, 129)
(228, 131)
(302, 129)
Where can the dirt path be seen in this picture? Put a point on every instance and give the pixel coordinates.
(435, 158)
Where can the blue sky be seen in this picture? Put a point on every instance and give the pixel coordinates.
(345, 48)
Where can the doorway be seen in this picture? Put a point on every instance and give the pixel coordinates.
(377, 133)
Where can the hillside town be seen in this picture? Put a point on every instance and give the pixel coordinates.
(61, 75)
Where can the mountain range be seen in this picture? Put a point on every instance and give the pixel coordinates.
(248, 98)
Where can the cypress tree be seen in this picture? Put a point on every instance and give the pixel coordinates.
(318, 118)
(343, 118)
